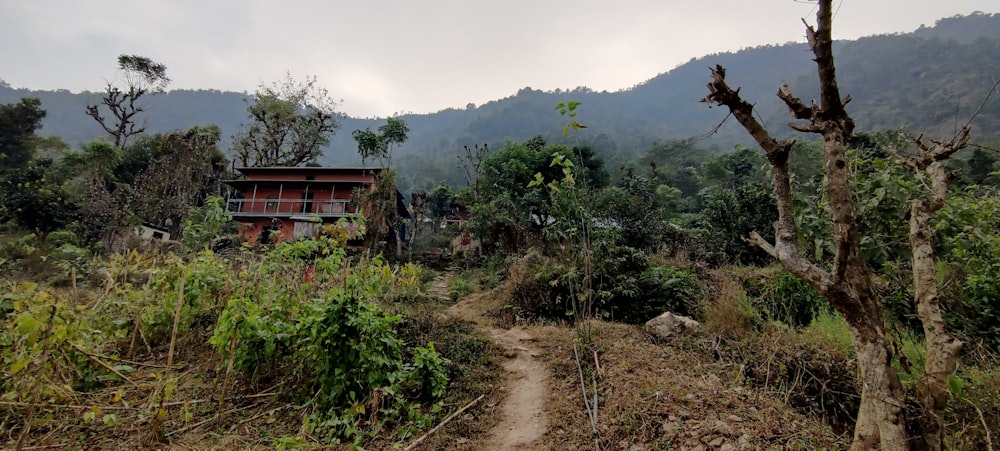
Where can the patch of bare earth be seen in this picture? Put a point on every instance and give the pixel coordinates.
(526, 384)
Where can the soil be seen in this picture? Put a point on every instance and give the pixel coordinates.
(526, 383)
(653, 394)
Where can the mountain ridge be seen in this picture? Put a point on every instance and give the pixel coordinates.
(927, 80)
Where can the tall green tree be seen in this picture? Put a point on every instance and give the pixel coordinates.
(138, 76)
(439, 201)
(18, 123)
(290, 123)
(380, 144)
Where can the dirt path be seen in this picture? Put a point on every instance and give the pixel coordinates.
(526, 383)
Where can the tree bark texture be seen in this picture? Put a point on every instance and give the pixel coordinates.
(881, 421)
(942, 347)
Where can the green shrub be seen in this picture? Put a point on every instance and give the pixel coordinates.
(59, 238)
(426, 375)
(262, 335)
(630, 289)
(349, 350)
(781, 296)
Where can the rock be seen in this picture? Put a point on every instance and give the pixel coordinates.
(669, 325)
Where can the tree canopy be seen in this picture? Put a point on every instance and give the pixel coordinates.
(140, 76)
(18, 123)
(290, 123)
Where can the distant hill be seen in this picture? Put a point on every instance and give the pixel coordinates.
(928, 80)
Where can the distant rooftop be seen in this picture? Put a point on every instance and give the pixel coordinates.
(307, 168)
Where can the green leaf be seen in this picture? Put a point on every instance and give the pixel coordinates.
(27, 324)
(956, 385)
(18, 365)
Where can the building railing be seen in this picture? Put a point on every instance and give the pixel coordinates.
(330, 208)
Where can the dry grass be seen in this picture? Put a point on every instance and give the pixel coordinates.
(665, 396)
(726, 311)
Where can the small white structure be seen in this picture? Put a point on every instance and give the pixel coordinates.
(147, 232)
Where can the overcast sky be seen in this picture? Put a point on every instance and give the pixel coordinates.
(387, 56)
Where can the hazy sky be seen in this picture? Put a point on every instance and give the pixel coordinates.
(388, 56)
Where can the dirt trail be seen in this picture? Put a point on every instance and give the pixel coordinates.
(526, 383)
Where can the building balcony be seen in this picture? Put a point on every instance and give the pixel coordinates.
(265, 208)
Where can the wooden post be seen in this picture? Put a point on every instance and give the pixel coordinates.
(253, 199)
(281, 189)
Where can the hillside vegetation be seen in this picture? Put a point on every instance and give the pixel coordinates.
(922, 80)
(594, 278)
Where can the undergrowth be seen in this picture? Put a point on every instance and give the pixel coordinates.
(330, 334)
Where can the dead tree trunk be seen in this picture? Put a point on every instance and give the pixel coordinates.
(881, 421)
(942, 347)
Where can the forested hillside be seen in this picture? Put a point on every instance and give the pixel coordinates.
(925, 80)
(594, 270)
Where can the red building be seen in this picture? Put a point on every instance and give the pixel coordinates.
(282, 203)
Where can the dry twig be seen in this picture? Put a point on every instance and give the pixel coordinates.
(441, 424)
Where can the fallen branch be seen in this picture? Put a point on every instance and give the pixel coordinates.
(583, 387)
(80, 406)
(989, 440)
(262, 414)
(446, 420)
(202, 422)
(93, 358)
(59, 445)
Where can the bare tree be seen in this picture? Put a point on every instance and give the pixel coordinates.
(141, 76)
(882, 420)
(942, 346)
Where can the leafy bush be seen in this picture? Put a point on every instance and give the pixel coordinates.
(58, 238)
(781, 296)
(351, 347)
(40, 347)
(539, 287)
(342, 349)
(968, 229)
(426, 375)
(258, 337)
(630, 290)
